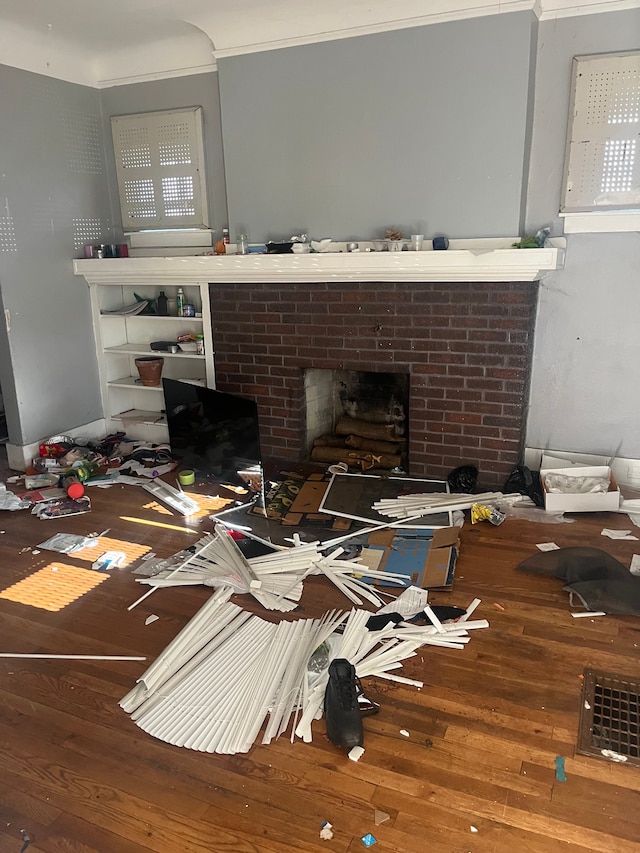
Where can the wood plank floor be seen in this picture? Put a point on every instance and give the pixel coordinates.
(484, 732)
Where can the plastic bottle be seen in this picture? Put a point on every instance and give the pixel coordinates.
(200, 344)
(162, 304)
(225, 236)
(84, 471)
(180, 301)
(72, 486)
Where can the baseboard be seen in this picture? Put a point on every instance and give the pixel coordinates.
(21, 456)
(625, 470)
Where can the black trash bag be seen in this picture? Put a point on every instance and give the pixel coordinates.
(597, 578)
(523, 481)
(463, 480)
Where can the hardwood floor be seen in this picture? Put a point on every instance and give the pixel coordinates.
(484, 732)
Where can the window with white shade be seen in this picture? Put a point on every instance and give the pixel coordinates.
(602, 169)
(160, 169)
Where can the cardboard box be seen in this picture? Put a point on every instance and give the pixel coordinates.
(426, 556)
(596, 502)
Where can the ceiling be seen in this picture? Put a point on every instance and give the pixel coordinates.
(110, 42)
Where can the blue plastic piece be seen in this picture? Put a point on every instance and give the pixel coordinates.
(560, 774)
(368, 840)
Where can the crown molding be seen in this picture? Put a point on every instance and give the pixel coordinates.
(381, 27)
(158, 75)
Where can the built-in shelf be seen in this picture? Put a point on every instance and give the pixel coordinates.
(491, 259)
(141, 416)
(134, 382)
(143, 349)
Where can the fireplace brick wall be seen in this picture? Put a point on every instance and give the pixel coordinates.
(466, 346)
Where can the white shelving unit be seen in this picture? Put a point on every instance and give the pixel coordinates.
(128, 404)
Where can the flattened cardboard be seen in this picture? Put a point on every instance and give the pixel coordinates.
(426, 556)
(597, 502)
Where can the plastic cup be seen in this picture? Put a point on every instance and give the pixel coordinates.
(416, 242)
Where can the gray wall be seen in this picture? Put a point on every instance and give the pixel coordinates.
(423, 129)
(52, 186)
(200, 90)
(585, 393)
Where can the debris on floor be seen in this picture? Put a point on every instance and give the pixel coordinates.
(355, 753)
(266, 662)
(326, 831)
(560, 774)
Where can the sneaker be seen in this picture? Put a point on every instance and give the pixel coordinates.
(341, 711)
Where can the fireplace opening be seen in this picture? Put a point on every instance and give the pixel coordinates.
(358, 417)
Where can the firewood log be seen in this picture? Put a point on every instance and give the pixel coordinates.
(371, 444)
(353, 426)
(329, 440)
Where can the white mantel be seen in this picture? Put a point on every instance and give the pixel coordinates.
(465, 260)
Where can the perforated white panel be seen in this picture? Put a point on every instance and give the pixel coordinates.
(87, 231)
(602, 163)
(140, 199)
(8, 241)
(83, 142)
(160, 167)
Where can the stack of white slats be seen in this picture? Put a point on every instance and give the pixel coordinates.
(229, 674)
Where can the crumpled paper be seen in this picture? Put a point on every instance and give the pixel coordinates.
(10, 501)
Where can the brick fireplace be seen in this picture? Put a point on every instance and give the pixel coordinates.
(465, 346)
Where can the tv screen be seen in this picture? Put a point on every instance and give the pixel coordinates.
(214, 433)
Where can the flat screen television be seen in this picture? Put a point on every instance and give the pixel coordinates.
(215, 434)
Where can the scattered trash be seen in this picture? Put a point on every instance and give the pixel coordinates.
(66, 543)
(369, 840)
(380, 817)
(560, 774)
(62, 507)
(326, 832)
(625, 535)
(588, 613)
(587, 706)
(405, 733)
(356, 753)
(548, 546)
(10, 501)
(109, 560)
(473, 828)
(484, 512)
(634, 568)
(498, 606)
(614, 756)
(151, 618)
(26, 840)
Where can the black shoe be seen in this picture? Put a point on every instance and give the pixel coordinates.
(341, 711)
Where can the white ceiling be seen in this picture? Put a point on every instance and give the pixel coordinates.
(108, 42)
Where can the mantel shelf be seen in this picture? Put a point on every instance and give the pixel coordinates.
(465, 260)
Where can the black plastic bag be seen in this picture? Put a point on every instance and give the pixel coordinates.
(523, 481)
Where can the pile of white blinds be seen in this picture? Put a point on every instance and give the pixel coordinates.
(229, 674)
(415, 506)
(276, 579)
